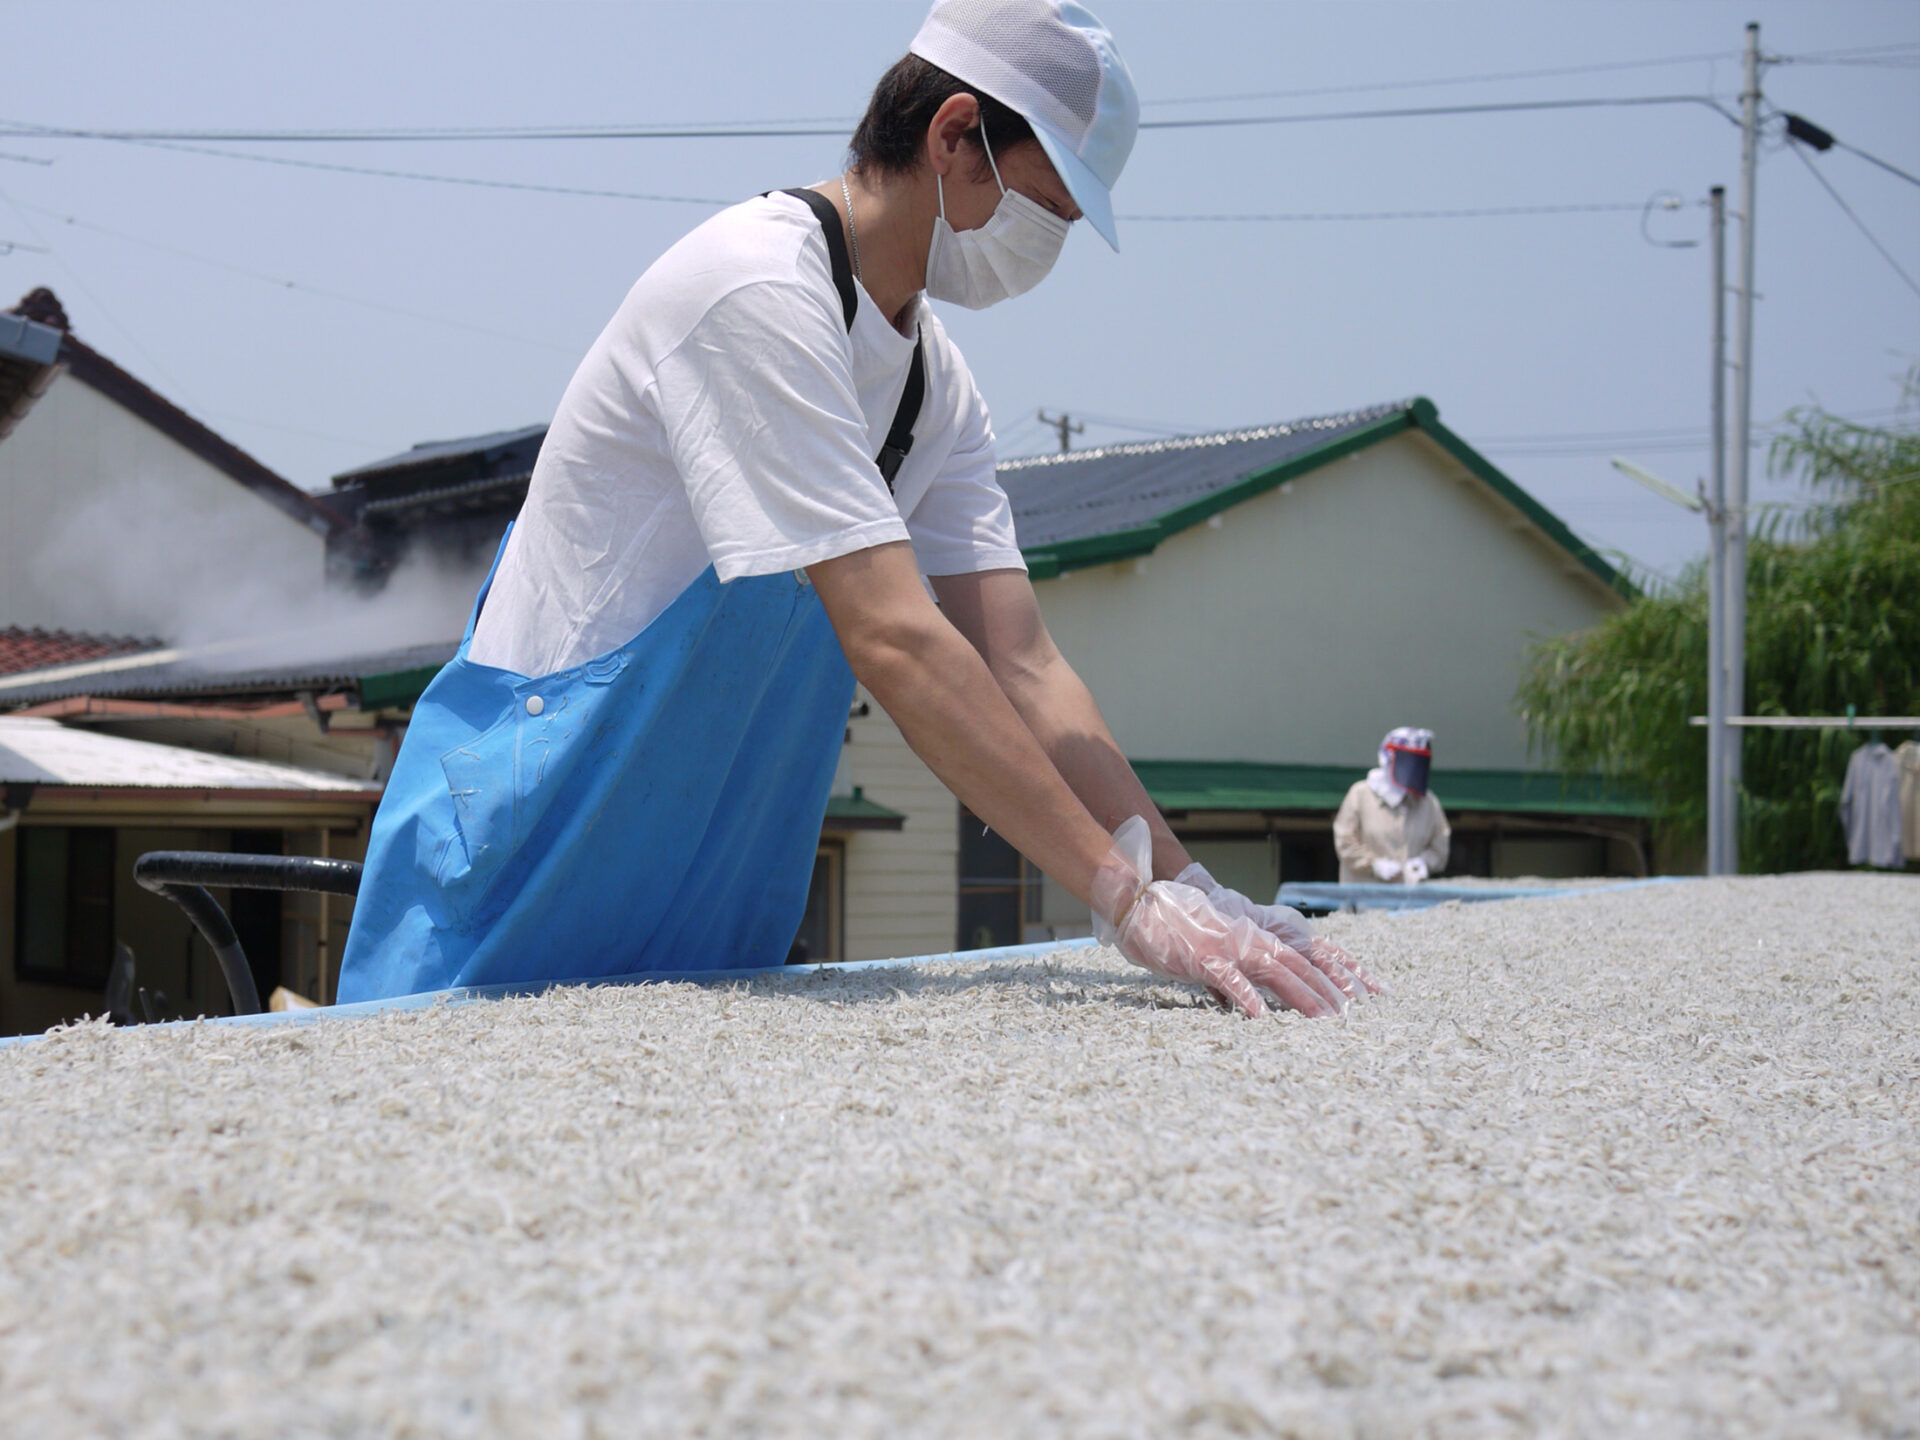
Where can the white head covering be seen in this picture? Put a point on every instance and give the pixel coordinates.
(1054, 65)
(1380, 778)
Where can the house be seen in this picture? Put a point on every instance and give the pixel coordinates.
(77, 808)
(119, 512)
(445, 502)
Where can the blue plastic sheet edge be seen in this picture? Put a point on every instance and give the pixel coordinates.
(1327, 897)
(474, 994)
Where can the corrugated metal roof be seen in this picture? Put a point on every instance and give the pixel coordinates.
(1116, 488)
(190, 673)
(45, 752)
(430, 452)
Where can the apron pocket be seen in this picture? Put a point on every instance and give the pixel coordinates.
(483, 781)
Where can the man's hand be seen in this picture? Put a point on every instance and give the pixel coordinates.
(1174, 930)
(1385, 869)
(1290, 928)
(1416, 871)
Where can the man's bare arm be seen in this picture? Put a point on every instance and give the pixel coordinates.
(997, 612)
(939, 691)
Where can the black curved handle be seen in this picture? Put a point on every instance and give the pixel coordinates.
(247, 872)
(183, 875)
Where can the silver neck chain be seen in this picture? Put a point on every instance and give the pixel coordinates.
(852, 234)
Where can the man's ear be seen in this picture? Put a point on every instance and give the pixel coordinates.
(951, 123)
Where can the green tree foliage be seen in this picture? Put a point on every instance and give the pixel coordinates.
(1833, 619)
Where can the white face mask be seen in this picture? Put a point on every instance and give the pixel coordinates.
(1009, 255)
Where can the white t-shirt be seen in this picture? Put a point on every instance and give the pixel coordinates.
(726, 416)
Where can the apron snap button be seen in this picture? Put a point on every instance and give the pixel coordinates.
(535, 704)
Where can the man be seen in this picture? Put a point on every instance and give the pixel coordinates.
(626, 765)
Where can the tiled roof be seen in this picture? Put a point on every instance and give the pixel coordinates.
(22, 649)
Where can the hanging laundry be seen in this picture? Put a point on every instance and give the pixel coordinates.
(1908, 756)
(1870, 808)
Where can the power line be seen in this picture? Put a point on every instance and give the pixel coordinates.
(280, 282)
(99, 304)
(1861, 225)
(434, 178)
(1485, 78)
(1475, 213)
(450, 135)
(1851, 52)
(776, 132)
(1876, 160)
(716, 203)
(1902, 55)
(1428, 111)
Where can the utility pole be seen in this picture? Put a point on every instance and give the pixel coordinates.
(1717, 727)
(1736, 576)
(1064, 424)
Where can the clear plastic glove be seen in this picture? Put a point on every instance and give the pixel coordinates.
(1386, 869)
(1416, 871)
(1290, 928)
(1174, 930)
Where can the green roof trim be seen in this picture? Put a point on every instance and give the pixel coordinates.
(856, 812)
(1044, 562)
(396, 687)
(1250, 785)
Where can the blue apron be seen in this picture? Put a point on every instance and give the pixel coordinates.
(657, 808)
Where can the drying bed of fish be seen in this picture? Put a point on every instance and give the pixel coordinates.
(1639, 1162)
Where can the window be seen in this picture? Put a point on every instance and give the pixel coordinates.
(819, 937)
(64, 885)
(999, 890)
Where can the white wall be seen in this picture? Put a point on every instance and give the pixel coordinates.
(108, 525)
(902, 886)
(1388, 588)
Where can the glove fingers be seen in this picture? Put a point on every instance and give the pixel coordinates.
(1341, 957)
(1226, 981)
(1270, 973)
(1344, 980)
(1304, 971)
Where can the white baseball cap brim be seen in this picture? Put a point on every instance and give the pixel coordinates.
(1088, 190)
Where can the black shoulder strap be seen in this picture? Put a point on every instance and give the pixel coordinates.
(900, 433)
(829, 219)
(900, 436)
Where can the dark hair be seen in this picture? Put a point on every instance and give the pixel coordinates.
(891, 133)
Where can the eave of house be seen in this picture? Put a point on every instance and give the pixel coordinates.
(1178, 786)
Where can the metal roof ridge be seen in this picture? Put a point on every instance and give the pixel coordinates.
(433, 452)
(442, 492)
(1171, 443)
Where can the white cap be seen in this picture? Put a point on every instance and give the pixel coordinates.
(1057, 68)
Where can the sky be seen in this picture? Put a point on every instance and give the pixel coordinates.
(322, 318)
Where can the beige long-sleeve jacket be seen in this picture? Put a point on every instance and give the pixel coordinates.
(1367, 828)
